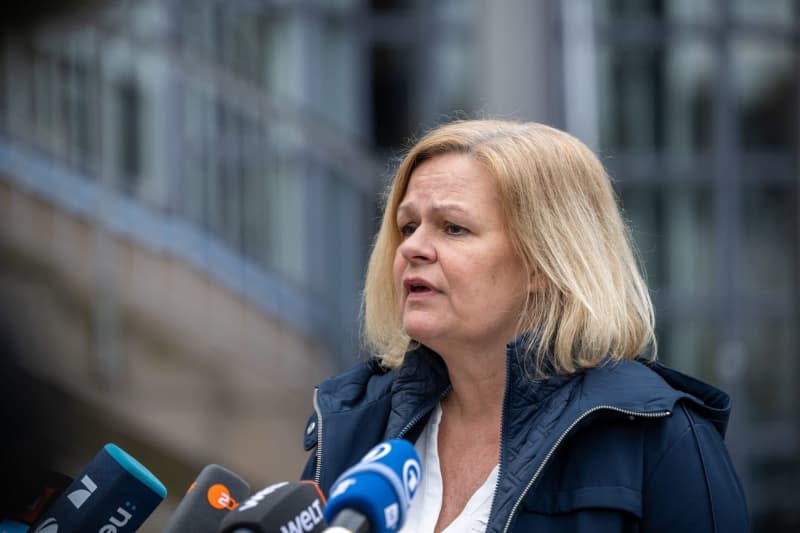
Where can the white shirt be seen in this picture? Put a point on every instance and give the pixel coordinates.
(424, 510)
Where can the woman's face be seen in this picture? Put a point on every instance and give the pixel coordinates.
(458, 280)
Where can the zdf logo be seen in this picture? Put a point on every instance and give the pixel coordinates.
(219, 497)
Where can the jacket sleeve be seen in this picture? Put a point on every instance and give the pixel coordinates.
(690, 483)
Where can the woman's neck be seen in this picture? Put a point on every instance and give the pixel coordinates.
(478, 384)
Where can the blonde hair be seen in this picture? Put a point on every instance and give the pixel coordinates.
(590, 302)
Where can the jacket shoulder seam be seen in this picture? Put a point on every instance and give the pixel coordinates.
(678, 438)
(702, 459)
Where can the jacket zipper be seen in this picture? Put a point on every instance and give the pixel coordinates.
(422, 413)
(502, 422)
(642, 414)
(318, 472)
(417, 418)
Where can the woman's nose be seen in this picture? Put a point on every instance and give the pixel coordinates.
(418, 247)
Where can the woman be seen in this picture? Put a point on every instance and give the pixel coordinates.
(510, 322)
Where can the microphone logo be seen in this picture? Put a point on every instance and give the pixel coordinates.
(342, 486)
(79, 497)
(115, 522)
(48, 526)
(260, 495)
(391, 516)
(306, 521)
(219, 497)
(412, 472)
(378, 452)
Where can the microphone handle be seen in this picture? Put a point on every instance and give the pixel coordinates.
(350, 521)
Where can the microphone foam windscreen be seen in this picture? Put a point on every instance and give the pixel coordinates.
(49, 486)
(113, 493)
(286, 506)
(215, 493)
(380, 486)
(9, 526)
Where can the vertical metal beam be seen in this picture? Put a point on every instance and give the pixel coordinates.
(518, 57)
(731, 353)
(580, 71)
(794, 310)
(105, 323)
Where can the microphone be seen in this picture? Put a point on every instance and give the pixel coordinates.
(287, 507)
(374, 495)
(48, 486)
(214, 493)
(9, 526)
(114, 493)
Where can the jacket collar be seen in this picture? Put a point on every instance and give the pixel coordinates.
(422, 380)
(636, 385)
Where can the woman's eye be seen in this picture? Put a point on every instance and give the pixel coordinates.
(407, 229)
(455, 229)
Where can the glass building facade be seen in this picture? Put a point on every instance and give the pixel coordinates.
(250, 139)
(698, 117)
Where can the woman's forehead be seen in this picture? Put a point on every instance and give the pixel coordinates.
(449, 175)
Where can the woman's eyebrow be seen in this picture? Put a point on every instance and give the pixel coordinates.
(437, 207)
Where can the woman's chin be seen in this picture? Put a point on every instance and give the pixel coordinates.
(422, 333)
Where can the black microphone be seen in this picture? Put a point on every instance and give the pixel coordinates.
(47, 486)
(215, 493)
(113, 494)
(374, 495)
(287, 507)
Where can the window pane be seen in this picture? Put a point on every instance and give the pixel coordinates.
(199, 153)
(341, 79)
(656, 98)
(681, 10)
(3, 90)
(780, 12)
(283, 60)
(773, 369)
(389, 5)
(674, 231)
(20, 93)
(392, 77)
(689, 345)
(630, 8)
(451, 58)
(643, 210)
(255, 217)
(129, 111)
(770, 232)
(286, 220)
(766, 89)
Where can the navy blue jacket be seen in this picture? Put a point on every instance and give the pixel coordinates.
(626, 447)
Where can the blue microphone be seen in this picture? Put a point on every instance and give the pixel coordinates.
(374, 495)
(113, 494)
(10, 526)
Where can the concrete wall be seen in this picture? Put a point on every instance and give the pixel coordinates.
(139, 349)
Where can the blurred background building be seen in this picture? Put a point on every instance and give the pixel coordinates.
(189, 188)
